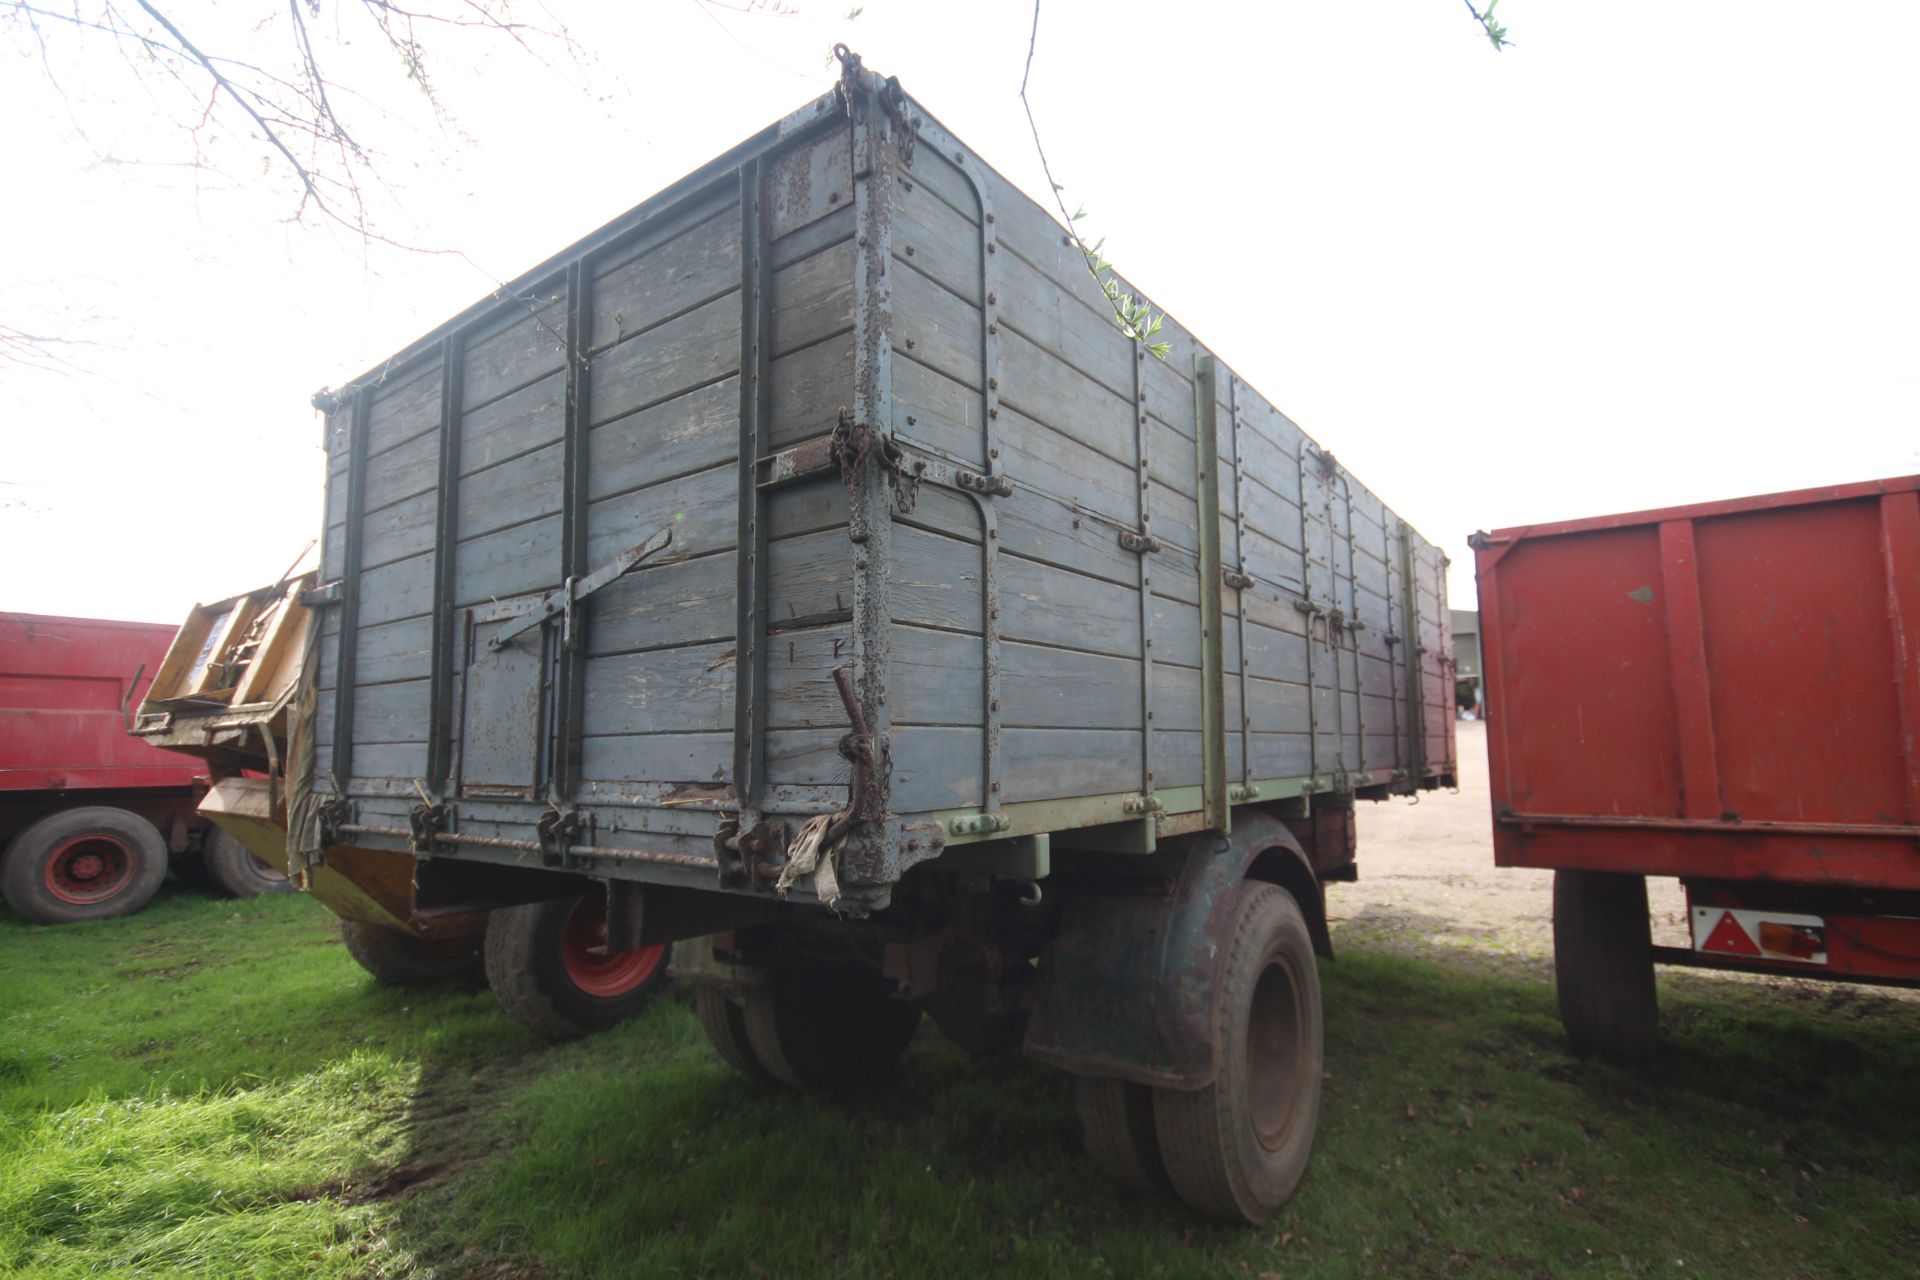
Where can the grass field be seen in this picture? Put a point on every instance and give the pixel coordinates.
(213, 1088)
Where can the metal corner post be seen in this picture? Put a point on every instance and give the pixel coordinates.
(1143, 440)
(343, 684)
(1213, 741)
(750, 620)
(446, 532)
(1413, 649)
(870, 526)
(571, 675)
(1237, 457)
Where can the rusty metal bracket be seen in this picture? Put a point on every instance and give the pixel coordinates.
(559, 830)
(319, 597)
(333, 817)
(857, 749)
(1237, 580)
(1138, 543)
(427, 822)
(726, 853)
(743, 856)
(1000, 486)
(977, 824)
(853, 443)
(1142, 804)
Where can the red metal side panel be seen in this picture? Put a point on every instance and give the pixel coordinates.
(1729, 690)
(63, 682)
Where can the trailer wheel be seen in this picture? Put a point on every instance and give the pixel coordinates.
(1603, 964)
(1237, 1149)
(232, 866)
(549, 967)
(83, 864)
(1116, 1124)
(400, 959)
(725, 1023)
(824, 1029)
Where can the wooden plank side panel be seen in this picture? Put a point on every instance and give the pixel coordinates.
(389, 652)
(1050, 391)
(402, 410)
(518, 423)
(396, 532)
(689, 433)
(527, 343)
(693, 349)
(933, 412)
(515, 492)
(405, 471)
(1042, 604)
(935, 239)
(809, 387)
(634, 292)
(936, 328)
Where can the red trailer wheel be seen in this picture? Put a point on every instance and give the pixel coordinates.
(549, 967)
(89, 869)
(84, 864)
(595, 970)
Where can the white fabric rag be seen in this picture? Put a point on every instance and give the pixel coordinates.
(807, 855)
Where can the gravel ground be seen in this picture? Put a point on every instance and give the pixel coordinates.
(1428, 884)
(1428, 888)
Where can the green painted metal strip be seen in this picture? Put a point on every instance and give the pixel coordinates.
(1032, 817)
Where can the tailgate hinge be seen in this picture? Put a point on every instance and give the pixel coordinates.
(323, 595)
(1141, 543)
(425, 823)
(559, 830)
(330, 817)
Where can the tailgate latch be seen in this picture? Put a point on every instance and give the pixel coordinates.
(561, 603)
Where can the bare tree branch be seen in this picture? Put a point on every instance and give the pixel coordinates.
(37, 350)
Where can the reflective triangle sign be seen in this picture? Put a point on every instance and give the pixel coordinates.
(1729, 939)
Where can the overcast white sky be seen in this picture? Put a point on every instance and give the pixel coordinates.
(1649, 255)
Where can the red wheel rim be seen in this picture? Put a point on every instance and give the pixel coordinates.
(89, 869)
(594, 969)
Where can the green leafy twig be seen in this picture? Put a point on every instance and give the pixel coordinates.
(1495, 32)
(1136, 319)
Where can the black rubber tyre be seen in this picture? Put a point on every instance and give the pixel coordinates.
(725, 1023)
(1116, 1124)
(1603, 964)
(825, 1029)
(399, 959)
(542, 974)
(83, 864)
(236, 871)
(1236, 1150)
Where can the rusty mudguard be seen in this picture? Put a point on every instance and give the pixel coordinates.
(1128, 987)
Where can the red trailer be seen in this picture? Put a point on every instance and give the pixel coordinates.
(1726, 693)
(89, 814)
